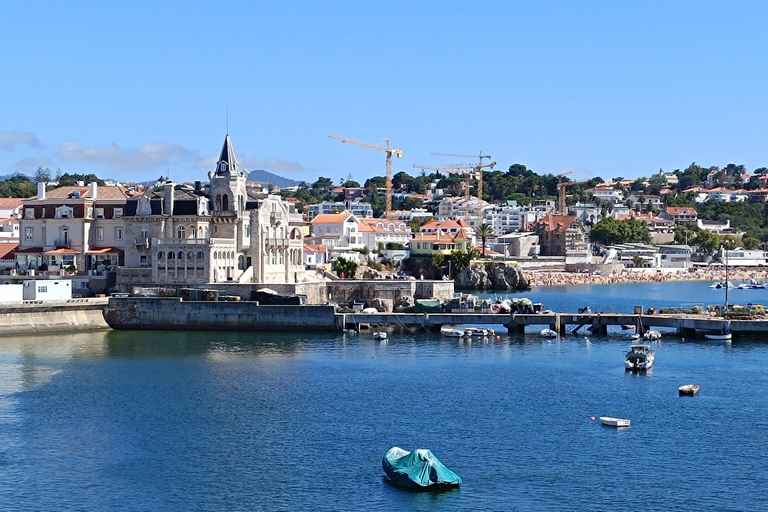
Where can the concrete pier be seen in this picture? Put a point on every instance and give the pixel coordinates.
(560, 322)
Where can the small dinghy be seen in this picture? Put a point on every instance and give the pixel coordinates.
(652, 335)
(417, 470)
(614, 422)
(478, 332)
(689, 390)
(548, 333)
(380, 335)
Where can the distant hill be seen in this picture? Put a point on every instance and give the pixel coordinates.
(274, 179)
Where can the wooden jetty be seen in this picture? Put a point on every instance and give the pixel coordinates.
(516, 323)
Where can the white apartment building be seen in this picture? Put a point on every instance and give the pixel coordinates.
(358, 209)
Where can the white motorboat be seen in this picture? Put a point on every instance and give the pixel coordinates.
(380, 335)
(652, 335)
(719, 337)
(478, 332)
(614, 422)
(548, 333)
(688, 390)
(639, 358)
(634, 336)
(452, 333)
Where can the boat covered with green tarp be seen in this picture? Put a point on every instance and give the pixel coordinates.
(427, 306)
(418, 469)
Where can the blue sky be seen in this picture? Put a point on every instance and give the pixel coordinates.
(130, 89)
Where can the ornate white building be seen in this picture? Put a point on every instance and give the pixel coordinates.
(222, 232)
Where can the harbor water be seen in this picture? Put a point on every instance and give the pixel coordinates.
(255, 421)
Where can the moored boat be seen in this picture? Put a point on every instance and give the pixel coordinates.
(719, 337)
(452, 333)
(614, 422)
(689, 390)
(652, 335)
(417, 470)
(380, 335)
(639, 358)
(478, 332)
(548, 333)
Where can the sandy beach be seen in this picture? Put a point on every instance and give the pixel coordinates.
(547, 278)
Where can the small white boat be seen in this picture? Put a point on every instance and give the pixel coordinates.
(614, 422)
(380, 335)
(478, 332)
(639, 358)
(548, 333)
(719, 337)
(452, 333)
(652, 335)
(633, 336)
(689, 390)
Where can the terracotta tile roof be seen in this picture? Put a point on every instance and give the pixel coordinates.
(106, 193)
(555, 222)
(10, 202)
(681, 210)
(315, 248)
(7, 249)
(326, 218)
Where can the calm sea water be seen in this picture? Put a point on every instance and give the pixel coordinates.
(239, 421)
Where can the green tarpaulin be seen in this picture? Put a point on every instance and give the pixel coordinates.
(417, 469)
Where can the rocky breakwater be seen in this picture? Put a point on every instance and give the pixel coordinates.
(491, 276)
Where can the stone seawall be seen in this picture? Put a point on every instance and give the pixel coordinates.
(175, 314)
(53, 316)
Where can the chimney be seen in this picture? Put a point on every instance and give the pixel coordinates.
(168, 198)
(94, 190)
(198, 186)
(41, 190)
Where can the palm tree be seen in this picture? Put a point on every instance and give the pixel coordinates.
(484, 231)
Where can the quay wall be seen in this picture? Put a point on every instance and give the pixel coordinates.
(55, 316)
(344, 290)
(173, 313)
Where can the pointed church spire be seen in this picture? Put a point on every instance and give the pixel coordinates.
(228, 158)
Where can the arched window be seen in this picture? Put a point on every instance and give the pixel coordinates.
(218, 202)
(192, 232)
(200, 255)
(181, 233)
(225, 202)
(241, 262)
(190, 255)
(199, 232)
(180, 255)
(161, 255)
(171, 256)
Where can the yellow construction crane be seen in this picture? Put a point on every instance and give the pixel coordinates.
(561, 186)
(478, 168)
(389, 151)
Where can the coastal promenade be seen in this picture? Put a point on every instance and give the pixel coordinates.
(547, 278)
(598, 323)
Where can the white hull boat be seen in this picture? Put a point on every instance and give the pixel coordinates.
(380, 335)
(548, 333)
(652, 335)
(452, 333)
(639, 358)
(614, 422)
(689, 390)
(478, 332)
(719, 337)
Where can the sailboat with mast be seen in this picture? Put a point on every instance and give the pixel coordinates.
(725, 333)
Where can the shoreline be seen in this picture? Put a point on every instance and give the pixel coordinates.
(548, 278)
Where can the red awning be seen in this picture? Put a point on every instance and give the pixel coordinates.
(62, 250)
(104, 250)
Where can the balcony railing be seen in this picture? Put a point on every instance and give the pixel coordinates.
(276, 242)
(63, 243)
(141, 241)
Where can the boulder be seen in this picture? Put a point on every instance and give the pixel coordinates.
(496, 276)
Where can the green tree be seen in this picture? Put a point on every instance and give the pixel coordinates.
(344, 266)
(17, 186)
(637, 261)
(751, 243)
(484, 231)
(42, 175)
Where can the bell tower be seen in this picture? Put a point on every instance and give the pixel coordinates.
(228, 192)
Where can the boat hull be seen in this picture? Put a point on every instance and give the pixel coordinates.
(689, 390)
(614, 422)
